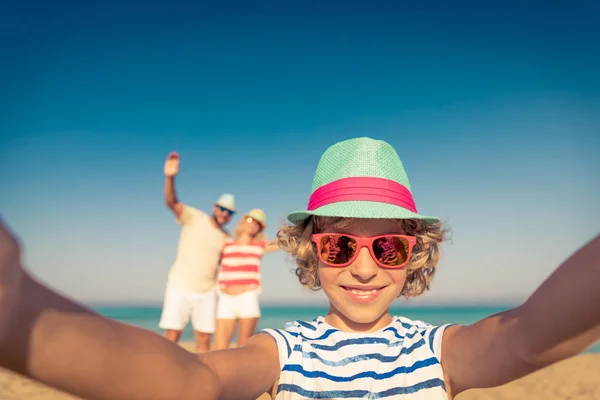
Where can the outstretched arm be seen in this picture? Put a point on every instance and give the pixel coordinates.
(271, 246)
(56, 341)
(559, 320)
(245, 372)
(171, 170)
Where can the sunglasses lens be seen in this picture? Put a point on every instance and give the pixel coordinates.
(337, 249)
(228, 211)
(391, 250)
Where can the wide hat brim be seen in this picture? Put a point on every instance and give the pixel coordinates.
(360, 209)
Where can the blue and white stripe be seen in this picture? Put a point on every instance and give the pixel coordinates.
(401, 361)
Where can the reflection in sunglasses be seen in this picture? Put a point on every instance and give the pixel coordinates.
(389, 254)
(388, 251)
(337, 250)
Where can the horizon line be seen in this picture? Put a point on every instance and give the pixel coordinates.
(456, 304)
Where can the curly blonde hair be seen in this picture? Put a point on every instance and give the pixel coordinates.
(296, 240)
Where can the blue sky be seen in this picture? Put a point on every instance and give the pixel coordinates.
(494, 110)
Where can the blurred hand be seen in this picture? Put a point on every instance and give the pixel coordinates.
(10, 277)
(172, 165)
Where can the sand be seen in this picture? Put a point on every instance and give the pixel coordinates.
(575, 378)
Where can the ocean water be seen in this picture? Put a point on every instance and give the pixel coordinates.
(276, 317)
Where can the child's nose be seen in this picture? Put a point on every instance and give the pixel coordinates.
(364, 267)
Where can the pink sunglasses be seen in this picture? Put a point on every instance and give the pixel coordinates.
(340, 249)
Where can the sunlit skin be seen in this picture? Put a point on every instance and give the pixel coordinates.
(371, 313)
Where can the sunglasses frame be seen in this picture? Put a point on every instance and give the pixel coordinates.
(223, 209)
(364, 241)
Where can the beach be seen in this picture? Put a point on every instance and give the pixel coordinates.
(575, 378)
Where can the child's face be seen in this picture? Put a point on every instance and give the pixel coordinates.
(362, 292)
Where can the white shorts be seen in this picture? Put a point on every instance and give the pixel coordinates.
(236, 306)
(179, 307)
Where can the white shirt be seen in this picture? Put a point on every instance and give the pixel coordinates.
(400, 361)
(198, 253)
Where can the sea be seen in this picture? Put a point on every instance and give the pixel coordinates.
(277, 316)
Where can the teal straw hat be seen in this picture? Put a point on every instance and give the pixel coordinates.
(360, 178)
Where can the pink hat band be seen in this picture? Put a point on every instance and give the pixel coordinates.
(374, 189)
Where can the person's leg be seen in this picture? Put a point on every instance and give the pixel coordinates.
(223, 333)
(173, 335)
(175, 314)
(202, 340)
(246, 329)
(203, 319)
(226, 316)
(249, 314)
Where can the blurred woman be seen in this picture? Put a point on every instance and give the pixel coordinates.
(239, 280)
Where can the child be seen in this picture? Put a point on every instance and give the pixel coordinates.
(363, 242)
(239, 280)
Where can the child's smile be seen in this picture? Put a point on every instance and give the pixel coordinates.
(363, 294)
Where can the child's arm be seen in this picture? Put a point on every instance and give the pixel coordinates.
(64, 345)
(245, 372)
(559, 320)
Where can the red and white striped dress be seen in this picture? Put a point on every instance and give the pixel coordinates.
(240, 264)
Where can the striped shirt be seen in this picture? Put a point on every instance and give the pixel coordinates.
(400, 361)
(240, 264)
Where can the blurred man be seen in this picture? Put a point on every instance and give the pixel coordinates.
(190, 292)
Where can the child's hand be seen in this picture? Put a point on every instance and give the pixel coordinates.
(11, 274)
